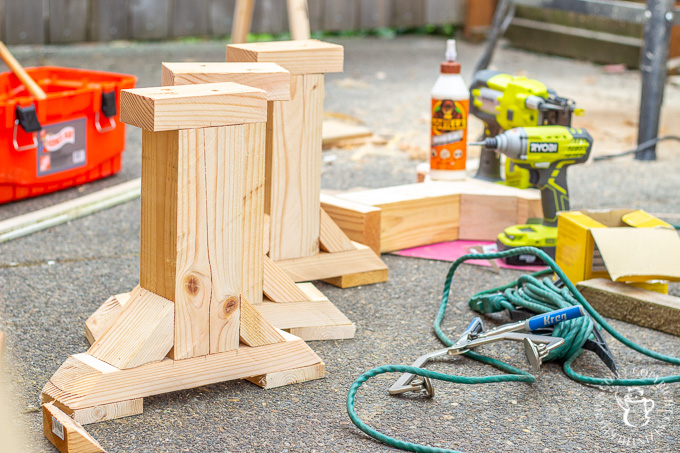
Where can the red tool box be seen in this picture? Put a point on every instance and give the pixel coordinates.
(70, 138)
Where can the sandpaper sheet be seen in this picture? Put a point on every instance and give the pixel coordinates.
(451, 251)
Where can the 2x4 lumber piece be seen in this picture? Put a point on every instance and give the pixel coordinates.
(413, 214)
(252, 269)
(276, 82)
(270, 77)
(488, 208)
(111, 411)
(267, 229)
(104, 316)
(288, 377)
(143, 333)
(634, 305)
(293, 173)
(331, 237)
(83, 381)
(192, 106)
(278, 286)
(316, 319)
(192, 223)
(255, 329)
(65, 433)
(359, 278)
(330, 265)
(360, 222)
(299, 57)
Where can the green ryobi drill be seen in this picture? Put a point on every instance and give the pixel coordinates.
(502, 102)
(546, 152)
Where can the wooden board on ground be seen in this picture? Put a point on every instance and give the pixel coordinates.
(288, 377)
(338, 132)
(66, 434)
(426, 213)
(111, 411)
(634, 305)
(413, 214)
(84, 381)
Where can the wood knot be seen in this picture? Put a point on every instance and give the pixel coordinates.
(192, 284)
(229, 306)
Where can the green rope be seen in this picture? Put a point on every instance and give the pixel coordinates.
(539, 296)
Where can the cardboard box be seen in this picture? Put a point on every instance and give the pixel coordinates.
(623, 245)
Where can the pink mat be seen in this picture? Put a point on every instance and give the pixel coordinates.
(451, 251)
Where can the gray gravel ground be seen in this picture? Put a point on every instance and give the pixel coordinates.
(52, 281)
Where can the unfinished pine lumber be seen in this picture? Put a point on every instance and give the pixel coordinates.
(293, 174)
(634, 305)
(65, 433)
(308, 56)
(260, 276)
(298, 228)
(426, 213)
(360, 222)
(270, 77)
(188, 323)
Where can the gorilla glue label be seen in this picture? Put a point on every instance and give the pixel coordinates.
(449, 134)
(450, 101)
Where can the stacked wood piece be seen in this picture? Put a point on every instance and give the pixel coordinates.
(304, 241)
(188, 323)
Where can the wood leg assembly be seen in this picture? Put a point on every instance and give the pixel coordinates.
(190, 322)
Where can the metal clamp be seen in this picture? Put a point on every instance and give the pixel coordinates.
(23, 147)
(101, 129)
(536, 347)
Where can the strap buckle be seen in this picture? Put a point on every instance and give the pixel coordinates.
(27, 118)
(109, 109)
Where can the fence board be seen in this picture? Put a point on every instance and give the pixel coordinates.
(375, 13)
(63, 21)
(441, 12)
(340, 15)
(221, 17)
(408, 13)
(109, 20)
(2, 22)
(24, 22)
(316, 10)
(189, 18)
(270, 16)
(149, 19)
(68, 21)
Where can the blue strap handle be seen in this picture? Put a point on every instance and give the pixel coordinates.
(554, 317)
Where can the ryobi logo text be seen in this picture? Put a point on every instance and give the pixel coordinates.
(543, 147)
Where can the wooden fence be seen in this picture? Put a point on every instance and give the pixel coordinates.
(65, 21)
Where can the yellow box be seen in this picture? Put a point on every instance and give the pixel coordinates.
(623, 245)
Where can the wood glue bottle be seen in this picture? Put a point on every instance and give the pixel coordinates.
(450, 101)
